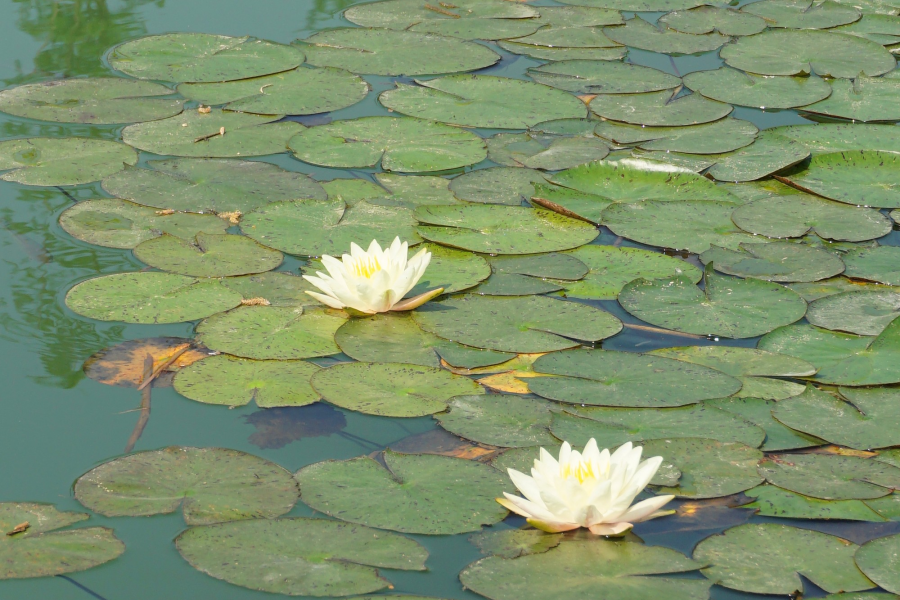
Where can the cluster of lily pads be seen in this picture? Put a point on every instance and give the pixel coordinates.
(770, 234)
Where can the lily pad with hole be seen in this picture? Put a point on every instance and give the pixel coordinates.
(837, 137)
(208, 255)
(803, 14)
(878, 559)
(94, 101)
(719, 136)
(210, 485)
(558, 54)
(397, 144)
(868, 419)
(278, 288)
(602, 77)
(775, 261)
(39, 550)
(638, 33)
(861, 178)
(521, 324)
(796, 215)
(768, 154)
(483, 101)
(759, 412)
(795, 52)
(411, 493)
(586, 569)
(874, 264)
(299, 556)
(391, 389)
(150, 298)
(62, 161)
(772, 501)
(865, 99)
(231, 381)
(301, 91)
(402, 14)
(314, 227)
(627, 379)
(736, 87)
(202, 57)
(200, 135)
(767, 558)
(116, 223)
(513, 543)
(830, 477)
(388, 52)
(211, 185)
(709, 469)
(707, 19)
(570, 203)
(864, 312)
(272, 333)
(502, 229)
(500, 420)
(615, 426)
(496, 185)
(659, 108)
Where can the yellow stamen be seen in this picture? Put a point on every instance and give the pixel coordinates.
(581, 472)
(367, 268)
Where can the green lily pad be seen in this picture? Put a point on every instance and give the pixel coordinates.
(95, 100)
(549, 153)
(830, 287)
(861, 178)
(558, 54)
(719, 136)
(199, 135)
(483, 101)
(728, 307)
(627, 183)
(209, 255)
(627, 379)
(707, 19)
(638, 33)
(615, 426)
(501, 420)
(202, 57)
(864, 312)
(613, 267)
(116, 223)
(413, 493)
(883, 29)
(41, 551)
(150, 298)
(675, 162)
(659, 108)
(211, 185)
(277, 288)
(793, 52)
(767, 558)
(838, 137)
(405, 191)
(796, 215)
(514, 543)
(496, 185)
(511, 284)
(736, 87)
(863, 99)
(391, 389)
(502, 229)
(709, 469)
(477, 29)
(829, 476)
(232, 381)
(574, 37)
(874, 264)
(878, 560)
(398, 144)
(388, 52)
(557, 266)
(775, 261)
(802, 14)
(768, 154)
(570, 203)
(272, 333)
(402, 14)
(602, 77)
(314, 227)
(869, 420)
(641, 5)
(521, 324)
(394, 337)
(578, 16)
(62, 161)
(598, 569)
(772, 501)
(693, 225)
(299, 556)
(210, 485)
(759, 412)
(301, 91)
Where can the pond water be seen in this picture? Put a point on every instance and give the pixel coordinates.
(57, 423)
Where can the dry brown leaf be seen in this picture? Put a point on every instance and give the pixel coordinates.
(522, 362)
(123, 364)
(509, 382)
(586, 98)
(444, 443)
(164, 212)
(233, 217)
(20, 528)
(255, 302)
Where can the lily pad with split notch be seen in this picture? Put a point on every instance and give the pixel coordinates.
(391, 389)
(548, 153)
(864, 312)
(659, 108)
(830, 476)
(638, 33)
(829, 287)
(768, 154)
(759, 412)
(278, 288)
(566, 267)
(411, 493)
(709, 469)
(803, 14)
(861, 178)
(719, 136)
(208, 255)
(403, 14)
(864, 99)
(775, 261)
(707, 19)
(496, 185)
(745, 89)
(603, 77)
(570, 203)
(210, 485)
(879, 264)
(500, 420)
(62, 161)
(299, 556)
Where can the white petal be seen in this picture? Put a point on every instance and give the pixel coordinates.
(526, 485)
(326, 300)
(640, 511)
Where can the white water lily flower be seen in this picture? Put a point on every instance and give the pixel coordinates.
(590, 489)
(374, 280)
